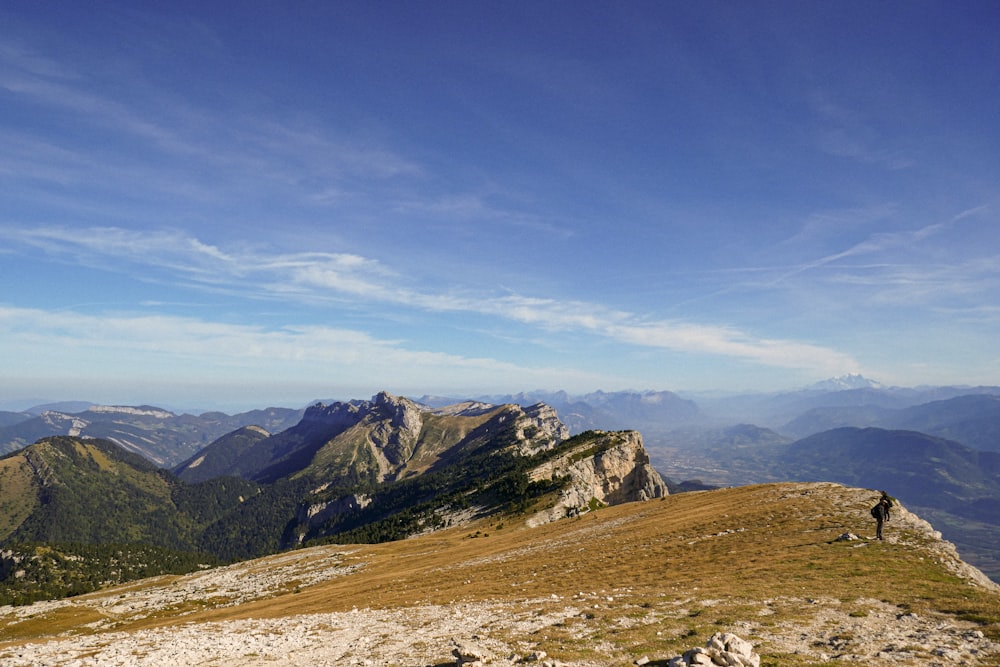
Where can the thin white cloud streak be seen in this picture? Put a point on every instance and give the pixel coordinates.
(311, 277)
(821, 225)
(928, 278)
(880, 242)
(731, 343)
(189, 343)
(175, 148)
(938, 287)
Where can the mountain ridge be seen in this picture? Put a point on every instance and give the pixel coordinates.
(159, 435)
(704, 451)
(364, 471)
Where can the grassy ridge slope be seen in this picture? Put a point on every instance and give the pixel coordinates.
(639, 579)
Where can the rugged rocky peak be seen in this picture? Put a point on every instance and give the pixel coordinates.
(392, 423)
(403, 438)
(538, 427)
(606, 468)
(400, 411)
(396, 424)
(335, 414)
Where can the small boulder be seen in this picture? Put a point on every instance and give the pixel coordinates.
(470, 654)
(722, 648)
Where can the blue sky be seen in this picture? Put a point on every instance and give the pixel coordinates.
(247, 204)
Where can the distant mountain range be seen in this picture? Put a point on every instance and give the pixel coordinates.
(601, 410)
(940, 439)
(774, 410)
(167, 438)
(973, 419)
(161, 436)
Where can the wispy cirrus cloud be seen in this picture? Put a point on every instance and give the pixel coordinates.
(165, 345)
(168, 142)
(313, 277)
(876, 244)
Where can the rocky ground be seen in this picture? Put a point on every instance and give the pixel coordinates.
(502, 631)
(427, 636)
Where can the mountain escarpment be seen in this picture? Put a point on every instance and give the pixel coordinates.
(357, 472)
(604, 468)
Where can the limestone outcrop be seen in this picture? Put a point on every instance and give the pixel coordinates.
(608, 468)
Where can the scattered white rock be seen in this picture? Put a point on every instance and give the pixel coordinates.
(470, 654)
(722, 648)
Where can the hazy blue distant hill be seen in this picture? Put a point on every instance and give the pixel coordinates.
(11, 418)
(972, 420)
(776, 410)
(817, 420)
(59, 406)
(926, 470)
(614, 410)
(159, 435)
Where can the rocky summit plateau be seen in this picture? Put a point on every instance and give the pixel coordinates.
(774, 574)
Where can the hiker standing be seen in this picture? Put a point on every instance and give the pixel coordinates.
(881, 513)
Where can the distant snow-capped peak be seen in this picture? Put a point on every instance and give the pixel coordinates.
(849, 381)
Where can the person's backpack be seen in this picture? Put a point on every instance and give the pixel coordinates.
(878, 511)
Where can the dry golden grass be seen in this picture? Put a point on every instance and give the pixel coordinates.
(645, 578)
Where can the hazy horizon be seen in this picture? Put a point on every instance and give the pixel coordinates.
(23, 404)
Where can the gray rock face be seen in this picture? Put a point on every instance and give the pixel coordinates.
(538, 428)
(618, 471)
(397, 431)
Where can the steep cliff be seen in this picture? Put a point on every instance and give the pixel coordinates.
(604, 469)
